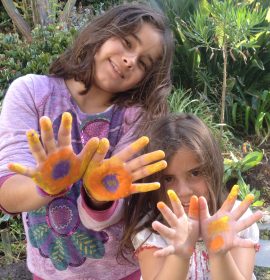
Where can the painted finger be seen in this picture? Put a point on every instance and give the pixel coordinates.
(176, 203)
(21, 169)
(242, 208)
(204, 211)
(244, 243)
(163, 230)
(148, 170)
(35, 146)
(145, 159)
(247, 222)
(64, 133)
(144, 187)
(230, 200)
(47, 135)
(133, 148)
(168, 214)
(101, 151)
(165, 251)
(193, 211)
(87, 153)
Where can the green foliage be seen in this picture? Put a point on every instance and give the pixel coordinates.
(206, 30)
(234, 169)
(19, 58)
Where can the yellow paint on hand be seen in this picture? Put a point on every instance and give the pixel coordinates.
(219, 226)
(103, 147)
(154, 156)
(173, 196)
(248, 199)
(16, 167)
(156, 167)
(136, 188)
(45, 124)
(32, 136)
(233, 193)
(66, 120)
(139, 144)
(216, 244)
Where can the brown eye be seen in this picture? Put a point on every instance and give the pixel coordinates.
(127, 43)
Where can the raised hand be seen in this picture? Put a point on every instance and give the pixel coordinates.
(219, 231)
(183, 232)
(58, 167)
(111, 179)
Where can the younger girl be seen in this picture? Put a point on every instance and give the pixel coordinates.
(111, 82)
(190, 243)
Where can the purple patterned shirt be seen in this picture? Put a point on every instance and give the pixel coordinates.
(65, 239)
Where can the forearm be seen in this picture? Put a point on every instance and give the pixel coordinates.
(224, 267)
(174, 268)
(18, 194)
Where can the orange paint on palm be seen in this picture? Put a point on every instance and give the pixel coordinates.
(32, 137)
(216, 244)
(193, 211)
(173, 196)
(109, 181)
(59, 171)
(219, 226)
(67, 120)
(155, 167)
(139, 144)
(233, 193)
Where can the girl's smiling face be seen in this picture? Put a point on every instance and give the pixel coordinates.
(121, 63)
(184, 175)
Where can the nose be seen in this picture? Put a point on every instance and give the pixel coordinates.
(183, 189)
(129, 60)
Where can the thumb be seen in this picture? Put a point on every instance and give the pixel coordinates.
(204, 211)
(88, 152)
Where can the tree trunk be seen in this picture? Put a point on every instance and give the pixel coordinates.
(41, 12)
(64, 16)
(17, 19)
(224, 88)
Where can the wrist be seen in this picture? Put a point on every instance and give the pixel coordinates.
(93, 203)
(41, 192)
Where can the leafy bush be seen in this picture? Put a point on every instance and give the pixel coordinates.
(19, 58)
(234, 169)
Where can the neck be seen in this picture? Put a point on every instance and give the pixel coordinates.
(94, 101)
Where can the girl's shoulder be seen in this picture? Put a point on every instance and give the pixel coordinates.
(37, 89)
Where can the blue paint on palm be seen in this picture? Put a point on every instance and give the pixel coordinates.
(111, 182)
(61, 169)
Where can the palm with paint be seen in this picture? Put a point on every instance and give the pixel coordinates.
(58, 167)
(219, 231)
(111, 179)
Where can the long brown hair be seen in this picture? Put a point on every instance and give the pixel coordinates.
(120, 21)
(170, 134)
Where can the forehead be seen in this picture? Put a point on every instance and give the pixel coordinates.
(183, 160)
(149, 39)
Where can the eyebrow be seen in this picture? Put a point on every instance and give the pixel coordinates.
(140, 42)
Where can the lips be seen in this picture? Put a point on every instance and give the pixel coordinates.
(116, 69)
